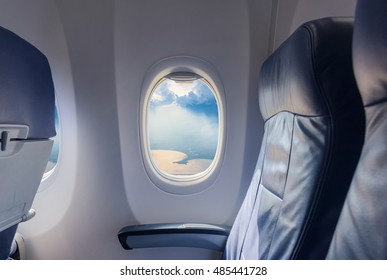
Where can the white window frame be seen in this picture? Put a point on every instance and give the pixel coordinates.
(49, 176)
(181, 184)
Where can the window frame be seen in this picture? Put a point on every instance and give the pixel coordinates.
(49, 176)
(181, 184)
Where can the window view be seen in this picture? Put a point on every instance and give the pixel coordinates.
(183, 126)
(55, 148)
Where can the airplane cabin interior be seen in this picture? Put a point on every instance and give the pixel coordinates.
(193, 130)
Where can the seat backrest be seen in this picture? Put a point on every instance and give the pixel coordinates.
(27, 121)
(314, 131)
(362, 229)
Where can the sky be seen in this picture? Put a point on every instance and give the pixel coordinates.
(184, 117)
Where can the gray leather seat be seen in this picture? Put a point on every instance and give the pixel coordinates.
(314, 131)
(362, 229)
(27, 121)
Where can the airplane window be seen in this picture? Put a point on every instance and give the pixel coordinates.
(55, 149)
(183, 126)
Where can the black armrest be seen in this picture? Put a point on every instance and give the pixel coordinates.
(208, 236)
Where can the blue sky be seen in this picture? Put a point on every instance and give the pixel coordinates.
(184, 117)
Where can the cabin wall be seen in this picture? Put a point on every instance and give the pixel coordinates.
(292, 13)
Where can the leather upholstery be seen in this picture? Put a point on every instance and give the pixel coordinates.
(362, 229)
(314, 131)
(26, 98)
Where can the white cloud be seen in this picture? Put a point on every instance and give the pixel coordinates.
(182, 89)
(173, 127)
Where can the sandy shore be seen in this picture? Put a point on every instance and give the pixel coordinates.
(166, 161)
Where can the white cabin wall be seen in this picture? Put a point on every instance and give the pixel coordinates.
(217, 32)
(229, 35)
(292, 13)
(90, 227)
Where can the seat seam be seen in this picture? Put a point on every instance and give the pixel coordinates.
(286, 180)
(256, 195)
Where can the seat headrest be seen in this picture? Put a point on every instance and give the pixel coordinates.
(26, 88)
(306, 72)
(369, 50)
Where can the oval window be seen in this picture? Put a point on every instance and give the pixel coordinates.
(183, 126)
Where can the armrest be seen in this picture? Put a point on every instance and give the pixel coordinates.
(208, 236)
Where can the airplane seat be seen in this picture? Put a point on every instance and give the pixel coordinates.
(313, 135)
(27, 121)
(361, 232)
